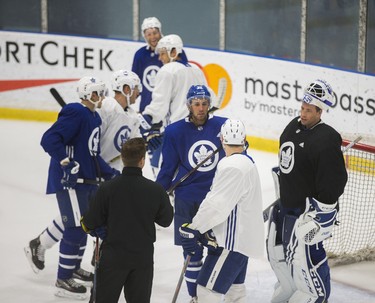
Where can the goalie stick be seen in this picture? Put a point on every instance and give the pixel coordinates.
(57, 97)
(267, 210)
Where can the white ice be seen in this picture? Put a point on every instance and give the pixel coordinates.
(25, 211)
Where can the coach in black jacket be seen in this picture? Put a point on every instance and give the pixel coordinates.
(128, 206)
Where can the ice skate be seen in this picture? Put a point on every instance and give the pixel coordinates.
(194, 300)
(35, 255)
(84, 276)
(69, 288)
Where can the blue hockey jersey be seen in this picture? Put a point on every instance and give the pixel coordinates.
(76, 135)
(146, 64)
(186, 145)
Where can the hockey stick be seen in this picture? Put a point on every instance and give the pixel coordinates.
(96, 265)
(267, 210)
(221, 91)
(188, 174)
(178, 287)
(57, 97)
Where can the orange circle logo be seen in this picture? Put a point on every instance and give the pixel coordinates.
(218, 79)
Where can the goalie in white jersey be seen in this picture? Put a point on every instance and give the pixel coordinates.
(233, 211)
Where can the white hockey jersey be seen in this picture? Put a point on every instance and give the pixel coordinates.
(233, 207)
(118, 125)
(172, 84)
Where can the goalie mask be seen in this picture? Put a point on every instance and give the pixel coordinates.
(168, 43)
(88, 85)
(233, 132)
(320, 94)
(125, 77)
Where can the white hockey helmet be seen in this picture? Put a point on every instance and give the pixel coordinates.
(320, 94)
(168, 43)
(88, 85)
(233, 132)
(124, 77)
(150, 22)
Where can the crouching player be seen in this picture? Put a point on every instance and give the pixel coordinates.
(312, 178)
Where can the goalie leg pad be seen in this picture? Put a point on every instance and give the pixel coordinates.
(285, 286)
(310, 272)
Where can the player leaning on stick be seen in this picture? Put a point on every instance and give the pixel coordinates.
(186, 143)
(233, 210)
(312, 178)
(73, 144)
(119, 123)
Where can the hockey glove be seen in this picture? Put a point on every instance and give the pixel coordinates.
(100, 232)
(208, 240)
(190, 239)
(70, 174)
(316, 223)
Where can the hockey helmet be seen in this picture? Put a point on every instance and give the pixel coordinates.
(150, 22)
(124, 77)
(198, 92)
(320, 94)
(233, 132)
(168, 43)
(88, 85)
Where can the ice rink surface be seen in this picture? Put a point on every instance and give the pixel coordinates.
(25, 211)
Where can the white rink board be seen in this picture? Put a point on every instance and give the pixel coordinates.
(266, 92)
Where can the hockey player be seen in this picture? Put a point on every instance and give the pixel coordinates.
(128, 208)
(171, 84)
(233, 210)
(146, 65)
(312, 178)
(187, 142)
(119, 123)
(76, 165)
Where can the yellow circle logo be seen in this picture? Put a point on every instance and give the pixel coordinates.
(218, 79)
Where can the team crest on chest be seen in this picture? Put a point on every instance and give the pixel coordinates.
(121, 137)
(286, 157)
(199, 151)
(93, 143)
(149, 75)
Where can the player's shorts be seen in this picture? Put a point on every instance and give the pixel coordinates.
(221, 269)
(73, 203)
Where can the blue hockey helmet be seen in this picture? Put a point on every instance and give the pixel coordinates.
(198, 92)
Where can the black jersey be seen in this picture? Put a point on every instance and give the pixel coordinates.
(311, 164)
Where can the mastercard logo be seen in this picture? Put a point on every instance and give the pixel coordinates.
(218, 79)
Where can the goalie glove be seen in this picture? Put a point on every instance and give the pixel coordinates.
(316, 223)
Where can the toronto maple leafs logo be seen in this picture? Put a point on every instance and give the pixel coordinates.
(93, 142)
(149, 76)
(201, 150)
(121, 137)
(286, 157)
